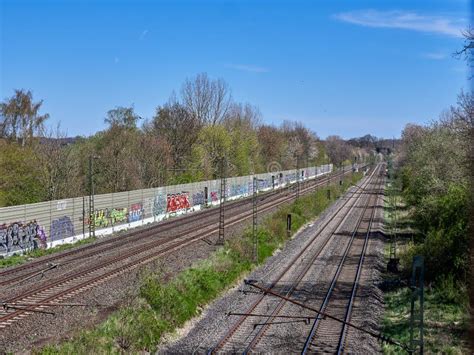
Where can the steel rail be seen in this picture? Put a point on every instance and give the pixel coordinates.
(241, 320)
(332, 285)
(342, 339)
(302, 274)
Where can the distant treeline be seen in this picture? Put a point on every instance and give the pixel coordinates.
(190, 138)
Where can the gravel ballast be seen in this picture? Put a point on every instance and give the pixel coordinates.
(203, 333)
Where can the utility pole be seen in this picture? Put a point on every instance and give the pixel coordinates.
(220, 239)
(297, 178)
(254, 227)
(328, 180)
(91, 196)
(417, 304)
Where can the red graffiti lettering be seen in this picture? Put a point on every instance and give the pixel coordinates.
(177, 202)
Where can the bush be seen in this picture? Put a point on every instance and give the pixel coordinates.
(444, 221)
(450, 291)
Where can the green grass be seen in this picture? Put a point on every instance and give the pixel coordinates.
(161, 307)
(445, 322)
(446, 311)
(17, 259)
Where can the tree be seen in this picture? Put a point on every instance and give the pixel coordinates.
(20, 117)
(19, 179)
(273, 146)
(213, 146)
(58, 167)
(467, 50)
(337, 150)
(435, 176)
(153, 154)
(241, 123)
(206, 100)
(179, 128)
(124, 117)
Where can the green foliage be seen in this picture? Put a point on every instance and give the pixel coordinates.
(19, 178)
(214, 143)
(434, 178)
(446, 317)
(450, 291)
(442, 221)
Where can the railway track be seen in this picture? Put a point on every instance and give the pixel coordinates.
(17, 274)
(251, 327)
(327, 335)
(35, 299)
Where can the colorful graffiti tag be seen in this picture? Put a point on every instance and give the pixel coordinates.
(159, 204)
(109, 216)
(136, 212)
(19, 236)
(198, 198)
(238, 190)
(263, 184)
(214, 196)
(176, 202)
(61, 228)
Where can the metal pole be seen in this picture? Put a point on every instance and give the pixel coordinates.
(255, 238)
(83, 217)
(328, 179)
(220, 239)
(417, 282)
(297, 178)
(90, 197)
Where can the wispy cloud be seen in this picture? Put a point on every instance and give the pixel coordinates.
(116, 60)
(143, 35)
(434, 55)
(443, 25)
(248, 68)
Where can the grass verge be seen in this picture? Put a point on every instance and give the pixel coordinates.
(161, 306)
(445, 320)
(36, 253)
(446, 314)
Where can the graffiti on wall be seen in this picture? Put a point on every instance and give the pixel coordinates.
(198, 198)
(61, 205)
(214, 196)
(109, 216)
(238, 189)
(61, 228)
(177, 202)
(263, 184)
(159, 204)
(136, 212)
(290, 177)
(19, 236)
(250, 187)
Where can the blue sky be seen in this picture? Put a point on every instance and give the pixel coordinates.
(340, 67)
